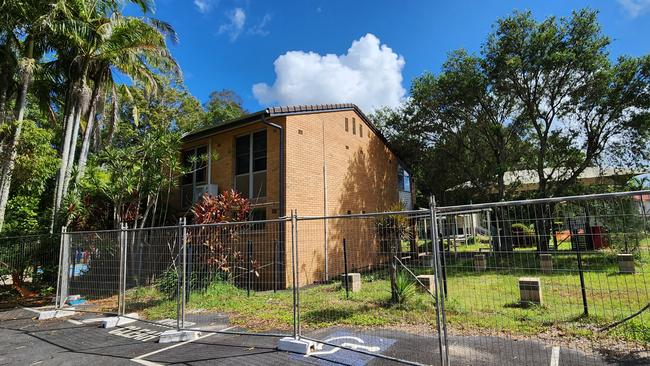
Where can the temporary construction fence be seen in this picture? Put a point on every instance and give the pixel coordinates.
(28, 265)
(496, 283)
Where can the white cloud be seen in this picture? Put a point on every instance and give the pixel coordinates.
(204, 6)
(634, 8)
(235, 25)
(260, 28)
(369, 75)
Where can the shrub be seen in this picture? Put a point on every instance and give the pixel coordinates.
(167, 284)
(523, 235)
(405, 288)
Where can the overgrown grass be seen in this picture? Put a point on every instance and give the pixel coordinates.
(482, 302)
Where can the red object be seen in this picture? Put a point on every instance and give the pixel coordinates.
(598, 237)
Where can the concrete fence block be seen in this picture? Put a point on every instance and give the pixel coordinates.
(429, 282)
(626, 263)
(353, 282)
(530, 290)
(546, 263)
(175, 336)
(480, 263)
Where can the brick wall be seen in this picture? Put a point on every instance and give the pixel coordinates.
(360, 176)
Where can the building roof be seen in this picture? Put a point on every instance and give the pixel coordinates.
(287, 111)
(528, 178)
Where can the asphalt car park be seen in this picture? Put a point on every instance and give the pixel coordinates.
(78, 340)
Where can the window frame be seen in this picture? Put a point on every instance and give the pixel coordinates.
(251, 173)
(402, 177)
(193, 172)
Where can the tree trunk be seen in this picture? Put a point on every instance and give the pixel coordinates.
(65, 152)
(85, 145)
(114, 117)
(395, 243)
(75, 136)
(12, 152)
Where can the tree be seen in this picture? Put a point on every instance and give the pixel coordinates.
(24, 29)
(223, 105)
(459, 121)
(582, 108)
(100, 41)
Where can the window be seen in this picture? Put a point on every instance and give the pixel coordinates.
(250, 165)
(195, 162)
(403, 180)
(354, 126)
(347, 127)
(360, 131)
(258, 214)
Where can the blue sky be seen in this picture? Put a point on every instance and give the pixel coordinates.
(233, 44)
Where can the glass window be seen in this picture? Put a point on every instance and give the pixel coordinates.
(360, 131)
(347, 128)
(259, 151)
(241, 184)
(186, 160)
(242, 155)
(354, 126)
(195, 162)
(258, 214)
(259, 185)
(201, 165)
(250, 165)
(403, 180)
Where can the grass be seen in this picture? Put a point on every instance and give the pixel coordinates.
(477, 302)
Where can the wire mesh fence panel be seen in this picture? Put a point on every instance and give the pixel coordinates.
(28, 267)
(550, 273)
(152, 267)
(239, 274)
(90, 271)
(367, 284)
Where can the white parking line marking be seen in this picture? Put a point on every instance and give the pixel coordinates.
(30, 309)
(75, 322)
(141, 359)
(555, 356)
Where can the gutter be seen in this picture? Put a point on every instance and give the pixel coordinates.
(281, 191)
(281, 194)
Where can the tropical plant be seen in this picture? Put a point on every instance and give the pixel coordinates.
(220, 240)
(391, 230)
(405, 288)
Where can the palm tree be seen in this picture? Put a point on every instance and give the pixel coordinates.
(102, 40)
(24, 28)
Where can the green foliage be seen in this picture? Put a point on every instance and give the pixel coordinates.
(513, 107)
(392, 229)
(36, 164)
(223, 106)
(523, 228)
(36, 161)
(167, 284)
(405, 288)
(23, 216)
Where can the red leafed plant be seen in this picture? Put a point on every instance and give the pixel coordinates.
(229, 206)
(221, 245)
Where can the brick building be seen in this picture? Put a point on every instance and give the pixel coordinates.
(319, 160)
